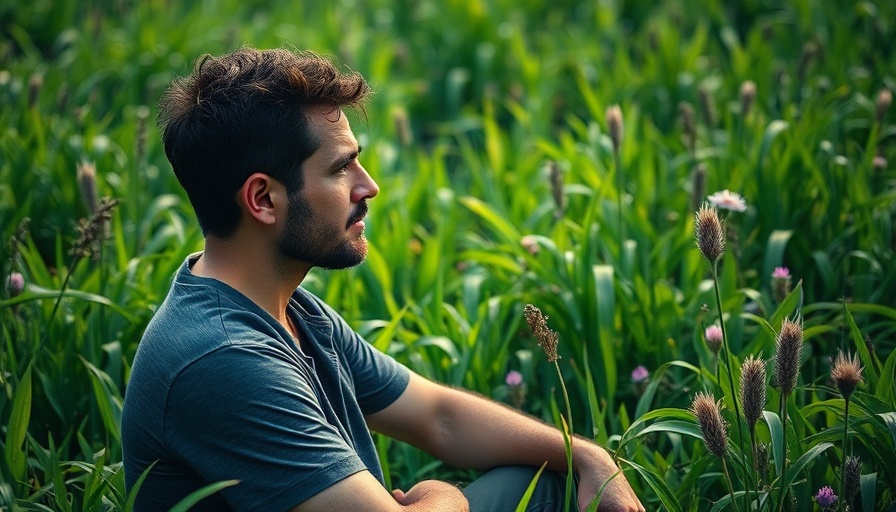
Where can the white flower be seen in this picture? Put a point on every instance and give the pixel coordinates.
(727, 200)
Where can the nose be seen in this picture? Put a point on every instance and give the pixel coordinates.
(366, 187)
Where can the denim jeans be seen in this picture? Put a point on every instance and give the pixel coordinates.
(502, 488)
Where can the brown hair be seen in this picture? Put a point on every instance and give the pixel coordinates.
(245, 112)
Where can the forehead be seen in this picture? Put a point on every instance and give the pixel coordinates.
(332, 127)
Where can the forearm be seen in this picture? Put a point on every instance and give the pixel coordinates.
(477, 433)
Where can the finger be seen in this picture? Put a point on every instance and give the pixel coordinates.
(398, 494)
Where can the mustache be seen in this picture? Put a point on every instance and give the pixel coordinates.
(358, 214)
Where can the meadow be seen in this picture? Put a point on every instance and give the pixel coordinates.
(734, 351)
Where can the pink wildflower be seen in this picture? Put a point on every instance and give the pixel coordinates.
(826, 497)
(513, 378)
(640, 374)
(727, 200)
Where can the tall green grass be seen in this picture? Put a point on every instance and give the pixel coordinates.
(476, 101)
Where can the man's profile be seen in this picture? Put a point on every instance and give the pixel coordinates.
(242, 374)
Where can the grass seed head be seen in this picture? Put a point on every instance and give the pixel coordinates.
(709, 233)
(547, 339)
(752, 389)
(87, 184)
(555, 175)
(747, 96)
(614, 126)
(788, 348)
(698, 185)
(713, 427)
(688, 125)
(846, 373)
(852, 476)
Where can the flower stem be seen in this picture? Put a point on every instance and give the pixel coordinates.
(783, 411)
(569, 470)
(727, 350)
(730, 484)
(845, 453)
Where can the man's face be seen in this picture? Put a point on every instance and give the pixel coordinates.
(323, 225)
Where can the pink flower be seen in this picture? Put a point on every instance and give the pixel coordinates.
(640, 374)
(781, 273)
(714, 338)
(826, 497)
(713, 333)
(15, 283)
(513, 378)
(727, 200)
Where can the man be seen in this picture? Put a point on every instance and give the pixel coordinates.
(244, 375)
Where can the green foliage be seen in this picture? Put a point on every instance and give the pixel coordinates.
(476, 102)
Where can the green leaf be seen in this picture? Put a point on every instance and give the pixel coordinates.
(870, 373)
(35, 292)
(776, 430)
(797, 467)
(666, 413)
(524, 501)
(659, 486)
(869, 490)
(674, 426)
(196, 496)
(20, 415)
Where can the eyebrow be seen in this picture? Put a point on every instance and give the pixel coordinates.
(342, 162)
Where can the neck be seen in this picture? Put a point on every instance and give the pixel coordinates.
(254, 269)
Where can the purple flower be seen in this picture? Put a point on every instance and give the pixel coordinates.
(15, 283)
(640, 374)
(513, 378)
(727, 200)
(826, 497)
(781, 273)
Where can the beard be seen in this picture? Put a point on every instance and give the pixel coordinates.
(321, 245)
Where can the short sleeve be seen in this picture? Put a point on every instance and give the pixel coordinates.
(378, 378)
(272, 435)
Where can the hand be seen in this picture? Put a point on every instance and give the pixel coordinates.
(594, 466)
(433, 495)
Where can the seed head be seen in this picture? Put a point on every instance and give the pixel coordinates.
(614, 126)
(752, 389)
(87, 183)
(747, 96)
(713, 427)
(688, 125)
(852, 476)
(846, 373)
(547, 339)
(714, 337)
(92, 231)
(788, 348)
(698, 185)
(555, 175)
(882, 104)
(35, 84)
(709, 233)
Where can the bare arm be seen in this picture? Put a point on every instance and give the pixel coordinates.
(469, 431)
(362, 491)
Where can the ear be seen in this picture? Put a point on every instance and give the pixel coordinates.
(260, 197)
